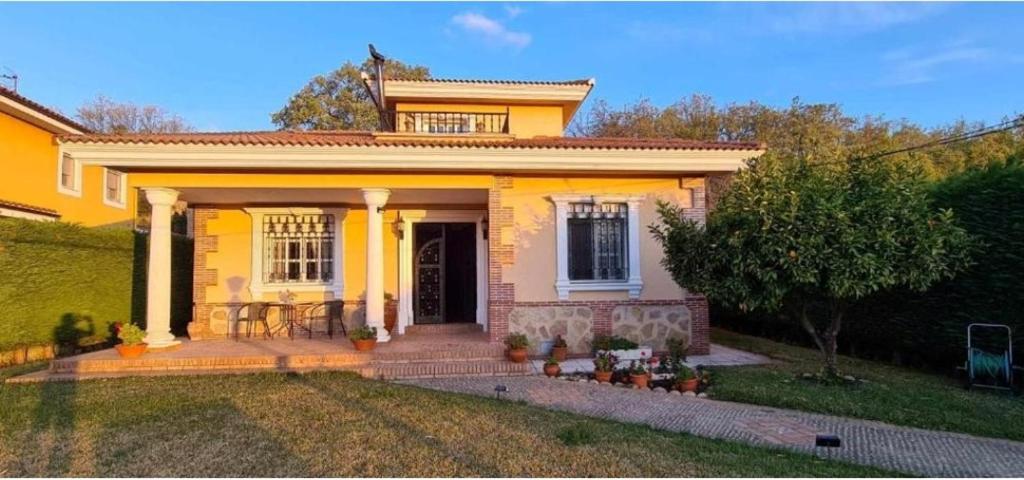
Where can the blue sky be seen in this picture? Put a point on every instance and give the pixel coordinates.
(229, 66)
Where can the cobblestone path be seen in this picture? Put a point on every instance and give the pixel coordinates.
(911, 450)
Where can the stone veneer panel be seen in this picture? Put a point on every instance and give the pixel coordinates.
(651, 325)
(574, 323)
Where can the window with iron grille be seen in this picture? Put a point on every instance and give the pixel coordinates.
(298, 248)
(597, 241)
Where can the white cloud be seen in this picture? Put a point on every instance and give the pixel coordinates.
(513, 11)
(910, 66)
(832, 17)
(491, 31)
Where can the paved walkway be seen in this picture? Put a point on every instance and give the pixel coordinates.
(921, 452)
(720, 356)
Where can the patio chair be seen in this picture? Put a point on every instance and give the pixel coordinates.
(330, 311)
(251, 314)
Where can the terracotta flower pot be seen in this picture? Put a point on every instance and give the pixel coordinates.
(640, 380)
(688, 385)
(603, 377)
(552, 370)
(517, 355)
(131, 351)
(559, 353)
(390, 319)
(365, 345)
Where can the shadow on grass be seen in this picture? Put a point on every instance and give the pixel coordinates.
(394, 423)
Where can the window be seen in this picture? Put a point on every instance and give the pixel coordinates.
(113, 188)
(68, 176)
(298, 248)
(598, 243)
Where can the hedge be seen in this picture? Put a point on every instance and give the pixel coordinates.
(66, 284)
(929, 329)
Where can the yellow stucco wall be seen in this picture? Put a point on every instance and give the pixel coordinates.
(534, 270)
(525, 121)
(232, 259)
(533, 235)
(29, 159)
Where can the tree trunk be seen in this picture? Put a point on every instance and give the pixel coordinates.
(827, 340)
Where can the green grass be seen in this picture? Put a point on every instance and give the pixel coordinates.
(334, 424)
(891, 394)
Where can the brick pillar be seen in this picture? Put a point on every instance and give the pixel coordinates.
(700, 327)
(602, 312)
(202, 277)
(500, 295)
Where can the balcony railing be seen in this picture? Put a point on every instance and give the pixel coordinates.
(467, 123)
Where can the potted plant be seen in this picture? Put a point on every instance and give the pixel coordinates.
(560, 349)
(517, 343)
(604, 366)
(551, 367)
(390, 313)
(364, 338)
(686, 380)
(639, 373)
(132, 344)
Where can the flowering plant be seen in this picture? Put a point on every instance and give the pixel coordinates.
(605, 362)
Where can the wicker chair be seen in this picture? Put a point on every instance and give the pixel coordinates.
(251, 314)
(329, 311)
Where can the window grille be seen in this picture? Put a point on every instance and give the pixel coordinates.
(67, 172)
(298, 248)
(597, 241)
(113, 186)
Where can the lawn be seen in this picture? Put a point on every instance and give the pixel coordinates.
(336, 424)
(891, 394)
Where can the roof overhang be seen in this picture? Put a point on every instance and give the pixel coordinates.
(33, 116)
(391, 158)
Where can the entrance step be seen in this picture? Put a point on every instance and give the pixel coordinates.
(443, 329)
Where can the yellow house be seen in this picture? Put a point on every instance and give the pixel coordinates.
(469, 208)
(42, 183)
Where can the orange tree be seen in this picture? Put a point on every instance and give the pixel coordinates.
(807, 240)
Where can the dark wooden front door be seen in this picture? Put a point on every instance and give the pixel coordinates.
(445, 273)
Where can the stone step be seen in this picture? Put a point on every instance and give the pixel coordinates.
(443, 328)
(476, 352)
(378, 370)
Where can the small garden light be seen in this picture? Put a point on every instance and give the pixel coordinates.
(498, 390)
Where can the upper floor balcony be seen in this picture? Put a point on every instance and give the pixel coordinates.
(449, 123)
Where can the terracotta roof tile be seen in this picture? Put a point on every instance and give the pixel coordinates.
(10, 94)
(357, 138)
(584, 81)
(24, 207)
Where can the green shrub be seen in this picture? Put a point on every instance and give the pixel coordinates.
(517, 341)
(67, 284)
(131, 334)
(612, 342)
(363, 332)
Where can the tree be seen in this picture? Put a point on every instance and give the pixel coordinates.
(338, 100)
(812, 132)
(808, 240)
(106, 116)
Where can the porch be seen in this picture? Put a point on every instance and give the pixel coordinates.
(430, 352)
(378, 255)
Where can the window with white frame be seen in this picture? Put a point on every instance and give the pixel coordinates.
(298, 248)
(68, 175)
(114, 187)
(598, 243)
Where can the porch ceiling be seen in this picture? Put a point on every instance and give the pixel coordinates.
(405, 196)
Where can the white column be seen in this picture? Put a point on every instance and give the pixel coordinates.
(405, 281)
(158, 286)
(561, 247)
(375, 198)
(633, 241)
